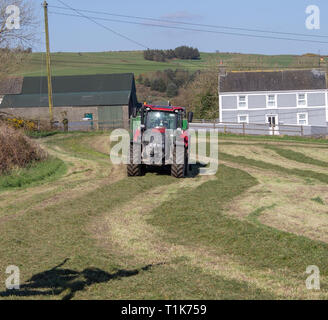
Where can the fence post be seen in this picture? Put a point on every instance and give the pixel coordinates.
(244, 132)
(273, 130)
(302, 131)
(225, 129)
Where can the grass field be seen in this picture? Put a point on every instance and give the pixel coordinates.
(249, 232)
(133, 61)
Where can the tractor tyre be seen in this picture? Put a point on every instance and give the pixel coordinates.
(134, 169)
(178, 167)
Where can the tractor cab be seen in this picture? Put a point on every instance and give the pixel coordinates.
(156, 117)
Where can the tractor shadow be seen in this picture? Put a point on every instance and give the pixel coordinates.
(58, 281)
(194, 169)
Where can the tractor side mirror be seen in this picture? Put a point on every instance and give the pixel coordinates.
(190, 116)
(134, 112)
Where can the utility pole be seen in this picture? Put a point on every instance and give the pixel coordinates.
(46, 27)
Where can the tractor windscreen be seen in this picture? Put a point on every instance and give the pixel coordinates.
(161, 119)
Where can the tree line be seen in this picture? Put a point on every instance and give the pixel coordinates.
(182, 52)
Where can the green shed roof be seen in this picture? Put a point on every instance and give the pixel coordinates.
(112, 98)
(85, 90)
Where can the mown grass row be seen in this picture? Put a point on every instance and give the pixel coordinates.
(192, 217)
(307, 174)
(59, 232)
(197, 218)
(36, 173)
(76, 146)
(297, 156)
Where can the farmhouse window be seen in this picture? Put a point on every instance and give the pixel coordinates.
(243, 118)
(301, 99)
(271, 100)
(242, 102)
(302, 119)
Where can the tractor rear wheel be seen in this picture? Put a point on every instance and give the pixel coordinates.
(178, 167)
(133, 168)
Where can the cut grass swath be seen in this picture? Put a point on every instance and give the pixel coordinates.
(37, 172)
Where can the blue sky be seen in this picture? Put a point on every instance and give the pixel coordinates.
(78, 34)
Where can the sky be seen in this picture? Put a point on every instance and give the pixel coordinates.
(76, 34)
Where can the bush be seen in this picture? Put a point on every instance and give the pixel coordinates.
(172, 90)
(17, 150)
(158, 85)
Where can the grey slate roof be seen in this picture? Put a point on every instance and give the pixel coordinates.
(86, 90)
(273, 81)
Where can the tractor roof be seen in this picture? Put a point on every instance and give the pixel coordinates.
(163, 108)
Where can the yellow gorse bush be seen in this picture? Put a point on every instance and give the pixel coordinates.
(21, 123)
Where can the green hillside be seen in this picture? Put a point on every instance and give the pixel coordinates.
(133, 61)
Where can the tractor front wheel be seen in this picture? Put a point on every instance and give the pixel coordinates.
(178, 167)
(133, 168)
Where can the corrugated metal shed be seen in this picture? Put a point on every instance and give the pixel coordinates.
(273, 80)
(86, 90)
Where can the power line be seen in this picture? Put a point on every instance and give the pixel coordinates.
(190, 29)
(103, 26)
(196, 24)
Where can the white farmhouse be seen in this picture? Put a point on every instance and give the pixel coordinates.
(276, 98)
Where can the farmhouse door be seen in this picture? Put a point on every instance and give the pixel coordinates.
(272, 120)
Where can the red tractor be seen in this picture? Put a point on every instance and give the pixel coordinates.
(159, 137)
